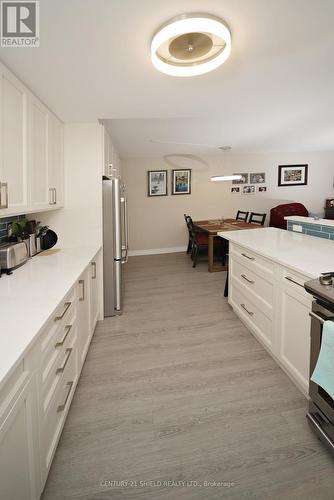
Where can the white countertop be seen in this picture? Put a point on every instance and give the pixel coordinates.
(30, 295)
(310, 220)
(308, 255)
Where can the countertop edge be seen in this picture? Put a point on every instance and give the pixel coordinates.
(284, 263)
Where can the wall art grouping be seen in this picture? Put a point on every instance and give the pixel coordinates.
(158, 182)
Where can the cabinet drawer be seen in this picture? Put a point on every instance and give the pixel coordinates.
(252, 260)
(53, 421)
(58, 320)
(53, 370)
(251, 313)
(253, 282)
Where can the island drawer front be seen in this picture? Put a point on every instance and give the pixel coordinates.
(255, 284)
(53, 370)
(252, 260)
(52, 422)
(251, 313)
(57, 321)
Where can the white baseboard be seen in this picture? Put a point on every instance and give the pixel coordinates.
(155, 251)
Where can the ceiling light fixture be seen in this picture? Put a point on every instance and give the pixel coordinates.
(217, 178)
(191, 45)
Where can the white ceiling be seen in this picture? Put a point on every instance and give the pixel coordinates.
(274, 93)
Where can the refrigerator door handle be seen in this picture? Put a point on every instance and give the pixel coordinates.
(126, 231)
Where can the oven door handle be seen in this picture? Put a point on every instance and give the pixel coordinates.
(318, 318)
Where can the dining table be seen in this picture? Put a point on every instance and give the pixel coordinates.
(213, 226)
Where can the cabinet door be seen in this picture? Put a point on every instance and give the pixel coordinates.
(39, 186)
(294, 332)
(84, 321)
(55, 161)
(13, 144)
(95, 292)
(19, 471)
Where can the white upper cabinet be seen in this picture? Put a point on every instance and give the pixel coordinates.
(13, 145)
(39, 193)
(55, 161)
(31, 151)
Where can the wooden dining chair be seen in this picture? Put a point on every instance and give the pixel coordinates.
(242, 216)
(256, 218)
(188, 220)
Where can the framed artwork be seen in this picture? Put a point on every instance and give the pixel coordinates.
(262, 189)
(157, 183)
(181, 181)
(243, 180)
(292, 175)
(235, 190)
(257, 178)
(248, 189)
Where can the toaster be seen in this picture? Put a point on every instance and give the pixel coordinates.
(12, 255)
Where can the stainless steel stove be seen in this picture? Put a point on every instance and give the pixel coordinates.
(321, 405)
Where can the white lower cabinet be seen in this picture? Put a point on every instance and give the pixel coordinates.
(19, 440)
(275, 307)
(35, 400)
(294, 329)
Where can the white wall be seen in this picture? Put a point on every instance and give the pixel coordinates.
(80, 222)
(157, 223)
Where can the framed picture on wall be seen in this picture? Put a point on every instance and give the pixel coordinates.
(157, 183)
(257, 178)
(235, 190)
(243, 180)
(248, 189)
(292, 175)
(181, 181)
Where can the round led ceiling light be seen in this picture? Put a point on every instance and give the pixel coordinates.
(191, 45)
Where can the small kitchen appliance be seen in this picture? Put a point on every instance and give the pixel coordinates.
(12, 255)
(321, 405)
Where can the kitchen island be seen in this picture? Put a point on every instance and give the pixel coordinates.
(267, 271)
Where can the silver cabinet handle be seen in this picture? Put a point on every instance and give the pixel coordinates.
(82, 298)
(247, 256)
(4, 186)
(245, 308)
(67, 306)
(67, 357)
(293, 281)
(68, 328)
(247, 279)
(63, 406)
(55, 196)
(94, 267)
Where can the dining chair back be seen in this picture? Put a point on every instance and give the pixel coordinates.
(256, 218)
(242, 216)
(189, 223)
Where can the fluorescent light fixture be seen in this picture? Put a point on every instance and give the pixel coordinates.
(217, 178)
(191, 45)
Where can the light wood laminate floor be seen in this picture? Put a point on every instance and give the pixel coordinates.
(177, 389)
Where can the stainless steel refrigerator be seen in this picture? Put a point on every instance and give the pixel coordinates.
(115, 244)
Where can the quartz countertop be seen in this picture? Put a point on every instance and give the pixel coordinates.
(29, 296)
(308, 255)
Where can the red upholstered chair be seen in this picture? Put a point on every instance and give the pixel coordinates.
(278, 213)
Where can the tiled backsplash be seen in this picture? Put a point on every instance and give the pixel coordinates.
(318, 230)
(4, 225)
